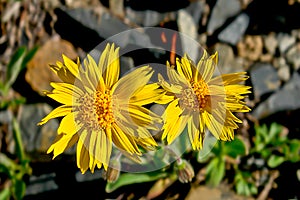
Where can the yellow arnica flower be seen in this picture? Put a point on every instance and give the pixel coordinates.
(100, 110)
(198, 100)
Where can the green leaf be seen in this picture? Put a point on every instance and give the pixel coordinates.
(7, 165)
(235, 148)
(5, 194)
(128, 178)
(18, 140)
(19, 189)
(274, 132)
(215, 171)
(15, 66)
(29, 56)
(275, 161)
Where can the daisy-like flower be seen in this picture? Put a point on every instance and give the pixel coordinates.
(100, 110)
(198, 100)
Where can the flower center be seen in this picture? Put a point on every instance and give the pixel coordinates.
(95, 110)
(195, 98)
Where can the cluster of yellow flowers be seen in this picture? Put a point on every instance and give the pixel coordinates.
(101, 110)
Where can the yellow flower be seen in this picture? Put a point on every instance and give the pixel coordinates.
(100, 110)
(198, 100)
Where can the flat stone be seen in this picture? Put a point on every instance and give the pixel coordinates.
(264, 79)
(284, 73)
(145, 18)
(37, 139)
(234, 31)
(284, 99)
(227, 60)
(251, 47)
(41, 184)
(293, 56)
(38, 74)
(285, 41)
(187, 26)
(221, 12)
(195, 9)
(271, 43)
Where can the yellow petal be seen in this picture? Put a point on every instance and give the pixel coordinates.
(129, 83)
(72, 66)
(206, 66)
(57, 112)
(147, 94)
(123, 141)
(68, 124)
(82, 155)
(184, 67)
(112, 71)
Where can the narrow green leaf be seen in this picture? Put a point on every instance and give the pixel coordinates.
(15, 66)
(18, 139)
(275, 161)
(215, 171)
(235, 148)
(19, 189)
(128, 178)
(5, 194)
(29, 56)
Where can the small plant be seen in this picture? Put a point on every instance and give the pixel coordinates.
(15, 66)
(269, 144)
(16, 169)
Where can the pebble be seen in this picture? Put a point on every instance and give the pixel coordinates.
(285, 41)
(270, 43)
(264, 79)
(284, 73)
(293, 56)
(284, 99)
(235, 31)
(250, 47)
(221, 12)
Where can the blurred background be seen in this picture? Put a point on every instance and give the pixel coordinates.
(261, 37)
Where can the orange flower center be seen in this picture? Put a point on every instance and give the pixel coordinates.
(195, 98)
(95, 111)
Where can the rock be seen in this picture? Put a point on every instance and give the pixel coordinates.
(227, 60)
(145, 18)
(264, 79)
(195, 9)
(250, 47)
(221, 12)
(38, 74)
(284, 73)
(234, 31)
(117, 8)
(285, 41)
(126, 65)
(41, 184)
(187, 26)
(293, 56)
(279, 62)
(284, 99)
(271, 43)
(37, 139)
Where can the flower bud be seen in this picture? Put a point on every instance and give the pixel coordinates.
(184, 170)
(113, 171)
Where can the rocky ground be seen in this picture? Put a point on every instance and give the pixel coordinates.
(261, 37)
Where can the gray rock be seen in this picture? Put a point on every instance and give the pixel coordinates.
(37, 139)
(285, 41)
(264, 79)
(286, 98)
(234, 31)
(40, 184)
(145, 18)
(221, 12)
(227, 60)
(187, 26)
(271, 43)
(293, 56)
(284, 73)
(195, 9)
(279, 62)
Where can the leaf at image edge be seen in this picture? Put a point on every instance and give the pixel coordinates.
(128, 178)
(275, 161)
